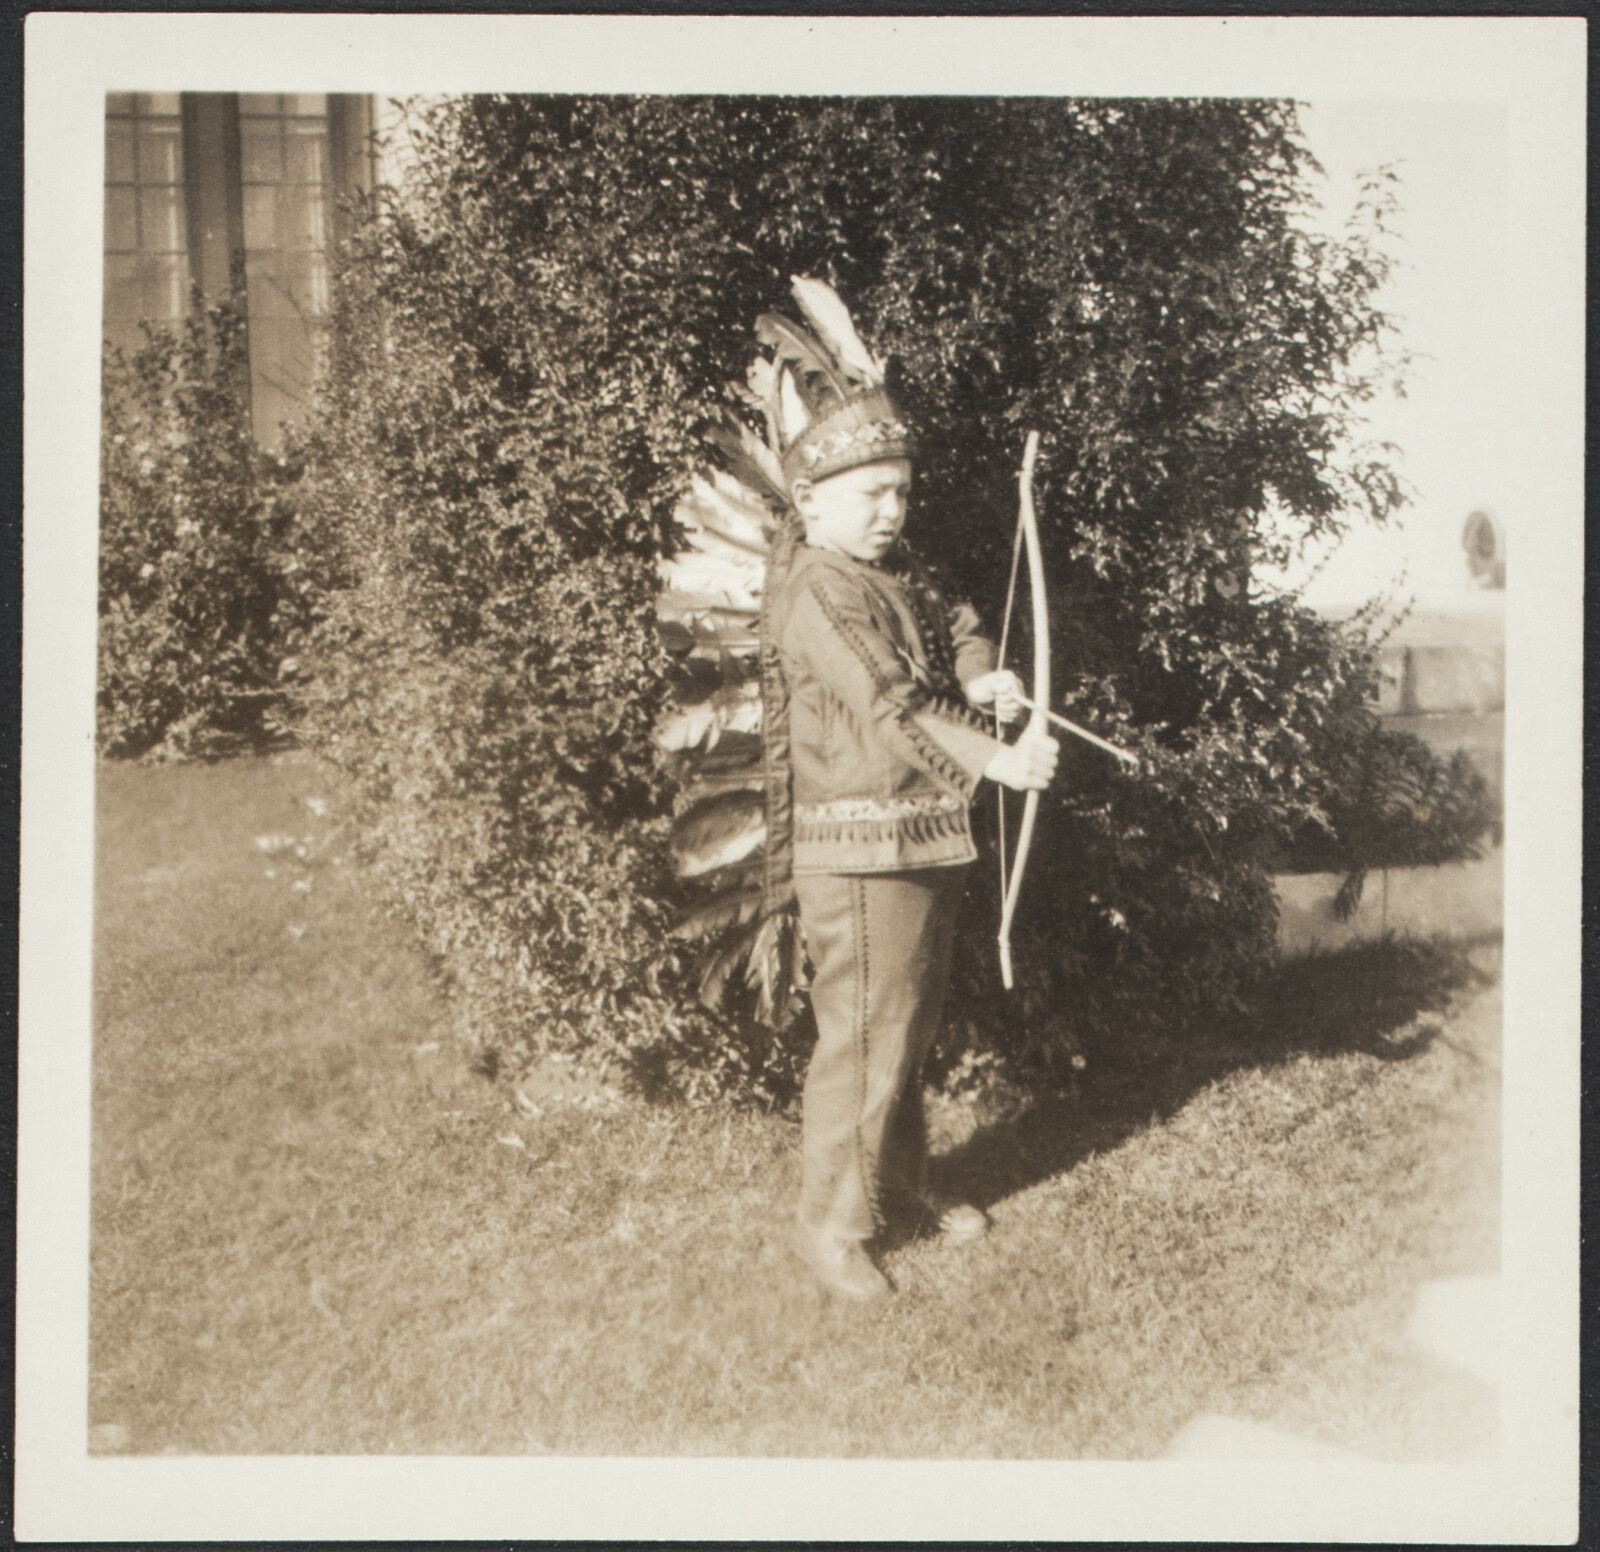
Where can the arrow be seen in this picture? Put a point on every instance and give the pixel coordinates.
(1083, 733)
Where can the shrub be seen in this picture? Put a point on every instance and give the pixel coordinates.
(208, 581)
(1396, 804)
(532, 339)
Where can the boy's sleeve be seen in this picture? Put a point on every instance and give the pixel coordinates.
(969, 746)
(975, 653)
(831, 629)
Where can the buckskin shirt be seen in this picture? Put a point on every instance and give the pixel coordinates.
(886, 753)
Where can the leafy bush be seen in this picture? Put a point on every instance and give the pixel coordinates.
(1396, 804)
(533, 337)
(208, 580)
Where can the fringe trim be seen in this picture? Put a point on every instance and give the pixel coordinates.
(777, 765)
(880, 808)
(912, 830)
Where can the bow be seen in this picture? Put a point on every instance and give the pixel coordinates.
(1027, 534)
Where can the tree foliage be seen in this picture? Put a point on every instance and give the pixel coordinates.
(534, 335)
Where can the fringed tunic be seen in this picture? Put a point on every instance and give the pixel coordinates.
(880, 750)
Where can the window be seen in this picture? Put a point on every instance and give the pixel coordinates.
(283, 157)
(200, 182)
(146, 240)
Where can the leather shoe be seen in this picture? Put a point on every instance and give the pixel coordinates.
(842, 1266)
(955, 1222)
(961, 1223)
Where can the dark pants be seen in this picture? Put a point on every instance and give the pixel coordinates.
(880, 951)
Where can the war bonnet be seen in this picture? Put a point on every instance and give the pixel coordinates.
(822, 396)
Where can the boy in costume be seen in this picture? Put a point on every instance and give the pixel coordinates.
(880, 685)
(872, 749)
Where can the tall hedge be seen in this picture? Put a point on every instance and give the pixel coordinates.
(532, 336)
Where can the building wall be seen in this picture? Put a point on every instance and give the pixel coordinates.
(1446, 659)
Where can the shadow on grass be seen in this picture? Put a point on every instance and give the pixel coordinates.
(1375, 999)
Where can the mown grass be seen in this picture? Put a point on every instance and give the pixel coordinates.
(317, 1230)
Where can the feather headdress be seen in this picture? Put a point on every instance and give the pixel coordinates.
(824, 408)
(823, 392)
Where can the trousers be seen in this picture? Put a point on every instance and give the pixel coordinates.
(880, 952)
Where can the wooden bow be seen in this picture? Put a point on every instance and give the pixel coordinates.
(1027, 534)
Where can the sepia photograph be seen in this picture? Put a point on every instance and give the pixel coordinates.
(759, 777)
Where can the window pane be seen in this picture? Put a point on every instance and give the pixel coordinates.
(161, 219)
(282, 294)
(153, 286)
(283, 361)
(119, 102)
(306, 277)
(286, 284)
(317, 285)
(268, 296)
(307, 148)
(268, 406)
(261, 151)
(304, 103)
(119, 151)
(260, 102)
(301, 217)
(123, 299)
(159, 102)
(123, 333)
(261, 216)
(160, 152)
(122, 233)
(290, 357)
(290, 216)
(164, 280)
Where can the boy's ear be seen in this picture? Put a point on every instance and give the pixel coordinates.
(800, 493)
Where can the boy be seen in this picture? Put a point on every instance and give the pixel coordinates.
(871, 684)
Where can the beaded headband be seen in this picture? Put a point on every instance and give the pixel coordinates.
(863, 429)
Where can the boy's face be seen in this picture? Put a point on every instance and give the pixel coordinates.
(858, 512)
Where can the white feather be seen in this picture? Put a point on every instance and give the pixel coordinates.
(726, 488)
(831, 319)
(763, 456)
(759, 378)
(793, 417)
(736, 709)
(735, 849)
(717, 577)
(721, 515)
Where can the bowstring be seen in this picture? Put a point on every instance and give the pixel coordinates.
(1005, 637)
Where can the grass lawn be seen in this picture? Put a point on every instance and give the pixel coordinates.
(315, 1229)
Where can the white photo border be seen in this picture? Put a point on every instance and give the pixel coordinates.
(1534, 67)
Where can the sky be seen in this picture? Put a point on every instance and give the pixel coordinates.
(1449, 299)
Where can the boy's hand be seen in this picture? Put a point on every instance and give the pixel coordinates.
(1029, 765)
(1000, 689)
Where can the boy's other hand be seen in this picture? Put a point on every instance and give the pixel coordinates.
(1002, 690)
(1029, 765)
